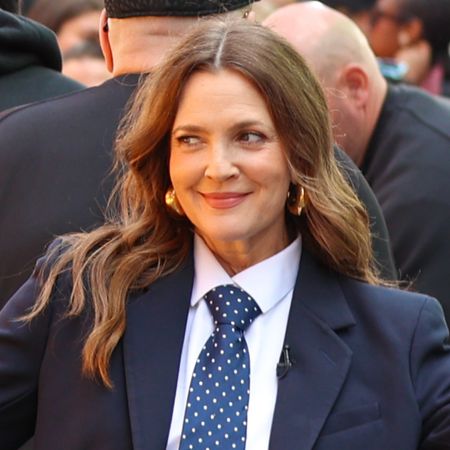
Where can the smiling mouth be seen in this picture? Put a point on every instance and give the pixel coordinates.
(224, 200)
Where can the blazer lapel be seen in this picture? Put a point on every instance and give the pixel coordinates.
(152, 349)
(310, 388)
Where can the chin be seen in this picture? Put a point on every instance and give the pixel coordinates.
(223, 236)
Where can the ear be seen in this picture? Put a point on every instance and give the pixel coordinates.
(355, 83)
(103, 33)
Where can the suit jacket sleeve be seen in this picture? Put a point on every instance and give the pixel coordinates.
(430, 368)
(22, 346)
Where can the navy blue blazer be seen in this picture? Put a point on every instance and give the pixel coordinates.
(371, 370)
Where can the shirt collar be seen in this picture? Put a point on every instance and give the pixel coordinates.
(267, 282)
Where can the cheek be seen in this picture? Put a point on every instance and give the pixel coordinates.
(384, 41)
(172, 166)
(184, 171)
(176, 175)
(277, 184)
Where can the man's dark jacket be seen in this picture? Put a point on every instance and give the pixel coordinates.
(55, 160)
(30, 63)
(408, 167)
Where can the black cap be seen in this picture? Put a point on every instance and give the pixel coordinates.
(183, 8)
(350, 6)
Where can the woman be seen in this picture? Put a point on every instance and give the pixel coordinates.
(73, 21)
(415, 32)
(230, 201)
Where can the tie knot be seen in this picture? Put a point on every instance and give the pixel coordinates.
(231, 305)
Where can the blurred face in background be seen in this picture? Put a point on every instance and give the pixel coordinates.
(88, 70)
(385, 27)
(78, 29)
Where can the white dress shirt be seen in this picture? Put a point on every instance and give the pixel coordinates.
(270, 283)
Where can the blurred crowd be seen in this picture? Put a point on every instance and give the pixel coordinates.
(75, 23)
(410, 37)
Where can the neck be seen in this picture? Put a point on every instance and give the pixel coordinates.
(236, 256)
(379, 96)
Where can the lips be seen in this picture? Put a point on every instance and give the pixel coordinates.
(224, 200)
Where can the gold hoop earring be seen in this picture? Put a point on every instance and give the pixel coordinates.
(172, 202)
(296, 200)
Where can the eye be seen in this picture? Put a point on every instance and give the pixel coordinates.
(190, 141)
(252, 137)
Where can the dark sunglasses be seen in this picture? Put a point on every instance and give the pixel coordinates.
(376, 15)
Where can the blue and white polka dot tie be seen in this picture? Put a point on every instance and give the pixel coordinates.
(216, 410)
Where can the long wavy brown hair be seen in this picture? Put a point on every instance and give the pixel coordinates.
(144, 240)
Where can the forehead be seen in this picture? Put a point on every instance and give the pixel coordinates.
(221, 80)
(388, 5)
(215, 94)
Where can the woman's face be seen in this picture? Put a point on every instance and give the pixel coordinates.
(385, 26)
(227, 165)
(78, 29)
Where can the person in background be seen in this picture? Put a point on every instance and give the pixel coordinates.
(26, 5)
(238, 239)
(56, 157)
(397, 134)
(418, 33)
(360, 11)
(73, 21)
(30, 60)
(363, 14)
(410, 37)
(86, 64)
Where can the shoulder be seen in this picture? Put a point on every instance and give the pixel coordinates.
(49, 83)
(428, 112)
(409, 162)
(390, 308)
(79, 123)
(377, 296)
(31, 84)
(24, 299)
(68, 109)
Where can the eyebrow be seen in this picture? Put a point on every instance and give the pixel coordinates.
(237, 126)
(187, 128)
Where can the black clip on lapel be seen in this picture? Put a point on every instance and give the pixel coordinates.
(285, 363)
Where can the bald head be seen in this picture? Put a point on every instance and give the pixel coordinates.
(326, 38)
(339, 54)
(137, 43)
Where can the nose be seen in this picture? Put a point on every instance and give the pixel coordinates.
(221, 164)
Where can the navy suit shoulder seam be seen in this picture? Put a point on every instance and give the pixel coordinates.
(8, 114)
(18, 400)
